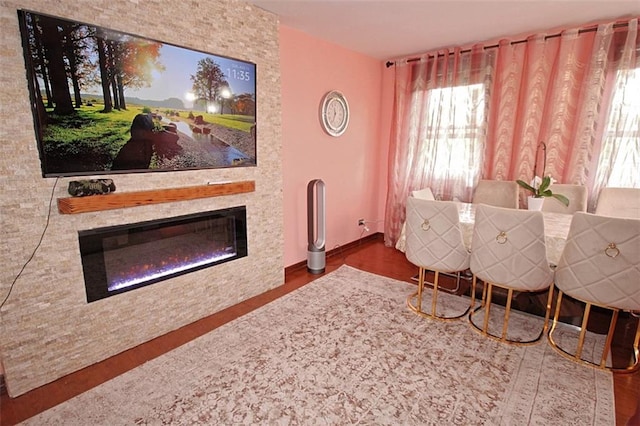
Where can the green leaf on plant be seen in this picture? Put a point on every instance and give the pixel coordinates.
(564, 200)
(544, 186)
(526, 186)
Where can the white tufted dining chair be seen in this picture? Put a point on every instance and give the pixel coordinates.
(423, 194)
(498, 193)
(619, 202)
(427, 194)
(508, 251)
(577, 195)
(600, 266)
(434, 242)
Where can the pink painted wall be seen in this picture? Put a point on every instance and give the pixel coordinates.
(353, 166)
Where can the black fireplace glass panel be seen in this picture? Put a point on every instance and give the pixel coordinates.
(125, 257)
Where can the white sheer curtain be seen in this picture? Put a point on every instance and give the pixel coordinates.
(618, 164)
(440, 109)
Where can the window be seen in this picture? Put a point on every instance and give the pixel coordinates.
(455, 126)
(619, 161)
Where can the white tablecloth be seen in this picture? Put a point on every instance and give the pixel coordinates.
(556, 229)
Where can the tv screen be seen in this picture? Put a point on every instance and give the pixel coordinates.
(107, 102)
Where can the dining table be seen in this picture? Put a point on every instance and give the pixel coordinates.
(556, 229)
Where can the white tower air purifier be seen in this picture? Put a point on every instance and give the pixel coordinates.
(316, 259)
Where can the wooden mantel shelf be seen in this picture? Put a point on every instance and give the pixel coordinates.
(119, 200)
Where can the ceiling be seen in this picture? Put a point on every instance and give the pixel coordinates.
(390, 29)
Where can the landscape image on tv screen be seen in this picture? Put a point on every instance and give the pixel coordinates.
(109, 102)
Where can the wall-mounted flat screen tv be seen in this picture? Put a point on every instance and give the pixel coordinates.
(109, 102)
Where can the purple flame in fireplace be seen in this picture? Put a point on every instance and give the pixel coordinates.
(141, 273)
(122, 258)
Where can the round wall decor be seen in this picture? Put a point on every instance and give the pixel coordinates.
(334, 113)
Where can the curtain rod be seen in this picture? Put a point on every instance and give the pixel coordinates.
(493, 46)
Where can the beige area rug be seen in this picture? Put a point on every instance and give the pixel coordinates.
(345, 349)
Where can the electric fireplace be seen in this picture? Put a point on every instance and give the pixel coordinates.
(122, 258)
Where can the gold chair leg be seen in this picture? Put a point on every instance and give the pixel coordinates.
(434, 297)
(556, 314)
(420, 288)
(583, 330)
(548, 310)
(577, 355)
(487, 307)
(607, 343)
(417, 298)
(507, 311)
(473, 292)
(636, 344)
(484, 294)
(487, 296)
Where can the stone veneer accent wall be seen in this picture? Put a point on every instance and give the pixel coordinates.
(47, 328)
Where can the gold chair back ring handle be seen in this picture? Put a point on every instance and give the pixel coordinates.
(426, 225)
(501, 238)
(612, 250)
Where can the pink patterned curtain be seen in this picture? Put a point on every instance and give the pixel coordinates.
(548, 89)
(551, 88)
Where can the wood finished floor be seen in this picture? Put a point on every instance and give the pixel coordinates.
(368, 254)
